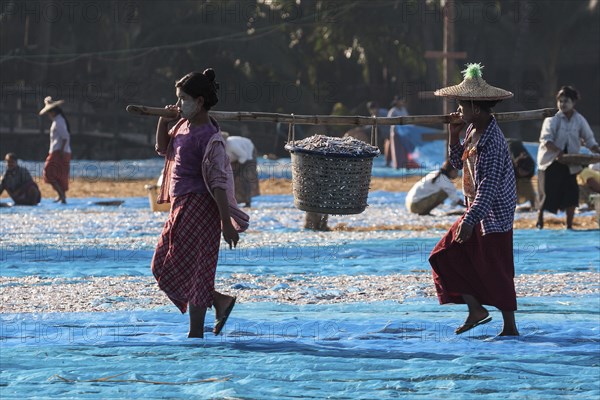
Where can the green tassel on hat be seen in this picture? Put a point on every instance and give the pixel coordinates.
(473, 71)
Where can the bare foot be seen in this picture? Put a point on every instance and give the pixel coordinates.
(196, 321)
(509, 327)
(196, 334)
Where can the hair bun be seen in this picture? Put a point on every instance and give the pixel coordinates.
(210, 74)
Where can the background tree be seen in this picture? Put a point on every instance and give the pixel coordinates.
(285, 56)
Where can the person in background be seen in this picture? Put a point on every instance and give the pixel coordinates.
(336, 130)
(18, 183)
(58, 162)
(242, 154)
(524, 166)
(375, 110)
(473, 263)
(589, 182)
(360, 133)
(198, 182)
(432, 190)
(316, 221)
(562, 134)
(398, 107)
(400, 144)
(382, 141)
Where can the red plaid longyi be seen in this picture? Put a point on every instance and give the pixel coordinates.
(185, 259)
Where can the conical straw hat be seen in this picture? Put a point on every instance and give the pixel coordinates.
(473, 87)
(49, 104)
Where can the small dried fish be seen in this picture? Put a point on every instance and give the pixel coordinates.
(334, 145)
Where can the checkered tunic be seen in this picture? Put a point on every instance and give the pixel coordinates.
(185, 259)
(494, 204)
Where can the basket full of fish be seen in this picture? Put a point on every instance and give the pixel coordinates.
(331, 175)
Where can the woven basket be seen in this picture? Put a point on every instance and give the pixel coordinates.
(330, 184)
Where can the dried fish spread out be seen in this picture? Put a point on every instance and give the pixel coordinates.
(328, 145)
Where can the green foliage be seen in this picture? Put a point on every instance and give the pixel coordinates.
(290, 55)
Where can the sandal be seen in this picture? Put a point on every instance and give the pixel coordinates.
(220, 322)
(467, 326)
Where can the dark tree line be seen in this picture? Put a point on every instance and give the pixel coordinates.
(291, 56)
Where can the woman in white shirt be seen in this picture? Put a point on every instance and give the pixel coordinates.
(561, 134)
(58, 162)
(432, 190)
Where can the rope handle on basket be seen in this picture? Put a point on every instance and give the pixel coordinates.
(292, 130)
(374, 132)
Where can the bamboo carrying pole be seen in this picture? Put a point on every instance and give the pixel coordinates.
(341, 120)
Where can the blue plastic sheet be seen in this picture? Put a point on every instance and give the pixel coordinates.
(382, 350)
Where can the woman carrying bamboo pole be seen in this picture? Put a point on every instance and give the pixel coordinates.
(198, 182)
(473, 263)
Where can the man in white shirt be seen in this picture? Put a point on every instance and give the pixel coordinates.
(242, 154)
(432, 190)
